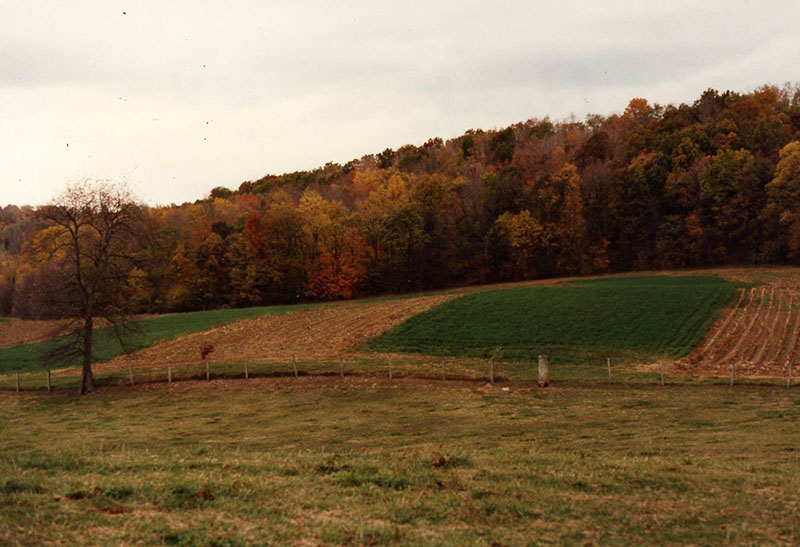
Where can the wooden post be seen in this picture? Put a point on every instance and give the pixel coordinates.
(208, 377)
(661, 367)
(294, 365)
(608, 364)
(491, 370)
(443, 368)
(733, 372)
(48, 381)
(130, 371)
(341, 367)
(544, 371)
(246, 375)
(789, 380)
(391, 357)
(17, 381)
(169, 373)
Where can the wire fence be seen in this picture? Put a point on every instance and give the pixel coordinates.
(385, 368)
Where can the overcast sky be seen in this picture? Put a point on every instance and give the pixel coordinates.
(179, 97)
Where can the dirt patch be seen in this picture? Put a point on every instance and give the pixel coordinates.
(313, 334)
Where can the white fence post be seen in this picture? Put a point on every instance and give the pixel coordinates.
(544, 371)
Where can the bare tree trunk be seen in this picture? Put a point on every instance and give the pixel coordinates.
(87, 379)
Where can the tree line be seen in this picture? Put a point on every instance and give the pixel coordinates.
(714, 182)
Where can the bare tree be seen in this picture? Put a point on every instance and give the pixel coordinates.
(90, 242)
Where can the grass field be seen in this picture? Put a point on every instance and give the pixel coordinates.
(634, 318)
(362, 461)
(27, 357)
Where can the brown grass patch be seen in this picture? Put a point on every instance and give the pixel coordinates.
(17, 331)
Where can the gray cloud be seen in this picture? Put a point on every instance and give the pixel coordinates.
(183, 96)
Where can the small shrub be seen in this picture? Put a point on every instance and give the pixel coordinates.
(206, 350)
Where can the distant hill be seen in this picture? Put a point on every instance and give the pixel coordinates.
(714, 182)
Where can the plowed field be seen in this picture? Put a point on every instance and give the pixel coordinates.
(312, 334)
(758, 334)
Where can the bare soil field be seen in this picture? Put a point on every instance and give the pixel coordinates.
(758, 333)
(311, 334)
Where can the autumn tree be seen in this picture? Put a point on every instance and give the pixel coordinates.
(89, 243)
(783, 198)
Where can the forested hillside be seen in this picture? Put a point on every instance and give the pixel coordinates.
(711, 183)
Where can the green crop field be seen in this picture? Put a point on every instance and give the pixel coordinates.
(27, 357)
(623, 318)
(368, 461)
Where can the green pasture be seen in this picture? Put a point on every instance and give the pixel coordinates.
(625, 319)
(364, 461)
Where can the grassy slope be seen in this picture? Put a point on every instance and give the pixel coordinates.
(319, 462)
(624, 318)
(26, 357)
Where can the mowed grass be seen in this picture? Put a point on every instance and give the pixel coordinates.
(28, 357)
(626, 319)
(323, 461)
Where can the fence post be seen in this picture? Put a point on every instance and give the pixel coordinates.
(130, 371)
(608, 364)
(208, 377)
(246, 375)
(661, 367)
(733, 372)
(341, 367)
(48, 381)
(294, 365)
(544, 371)
(391, 357)
(169, 373)
(443, 368)
(17, 381)
(491, 370)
